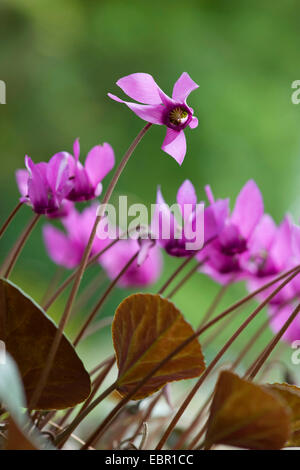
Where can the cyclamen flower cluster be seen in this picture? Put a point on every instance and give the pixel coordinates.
(244, 244)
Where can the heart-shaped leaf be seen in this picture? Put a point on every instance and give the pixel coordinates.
(291, 395)
(246, 415)
(146, 329)
(28, 334)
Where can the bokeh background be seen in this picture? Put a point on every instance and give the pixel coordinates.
(59, 59)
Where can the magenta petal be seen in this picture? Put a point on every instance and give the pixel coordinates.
(175, 145)
(209, 194)
(186, 195)
(194, 123)
(281, 250)
(248, 209)
(263, 235)
(140, 87)
(38, 188)
(22, 177)
(99, 161)
(58, 173)
(147, 112)
(163, 221)
(76, 149)
(60, 248)
(183, 87)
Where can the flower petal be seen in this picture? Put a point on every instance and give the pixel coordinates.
(60, 248)
(194, 123)
(140, 87)
(186, 195)
(22, 177)
(147, 112)
(76, 149)
(38, 188)
(183, 87)
(175, 145)
(163, 223)
(99, 161)
(58, 174)
(248, 209)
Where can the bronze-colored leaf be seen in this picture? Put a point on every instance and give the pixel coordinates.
(146, 329)
(291, 395)
(28, 334)
(16, 438)
(244, 414)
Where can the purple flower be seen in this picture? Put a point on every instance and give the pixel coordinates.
(158, 108)
(223, 256)
(198, 227)
(142, 272)
(44, 186)
(87, 179)
(67, 248)
(272, 251)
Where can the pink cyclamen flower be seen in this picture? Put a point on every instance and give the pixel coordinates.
(271, 252)
(87, 179)
(198, 226)
(44, 186)
(142, 272)
(223, 255)
(67, 248)
(158, 108)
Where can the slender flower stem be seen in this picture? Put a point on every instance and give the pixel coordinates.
(259, 362)
(84, 296)
(102, 300)
(184, 280)
(96, 385)
(10, 218)
(112, 415)
(214, 304)
(72, 276)
(175, 274)
(20, 244)
(216, 360)
(52, 284)
(79, 274)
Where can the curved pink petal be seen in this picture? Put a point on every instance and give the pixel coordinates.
(60, 248)
(99, 161)
(248, 210)
(186, 195)
(175, 145)
(163, 223)
(194, 122)
(183, 87)
(281, 250)
(58, 174)
(38, 188)
(147, 112)
(76, 149)
(22, 177)
(140, 87)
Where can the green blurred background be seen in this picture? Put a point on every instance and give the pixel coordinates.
(59, 59)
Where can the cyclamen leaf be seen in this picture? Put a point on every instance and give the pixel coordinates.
(28, 334)
(291, 395)
(246, 415)
(146, 329)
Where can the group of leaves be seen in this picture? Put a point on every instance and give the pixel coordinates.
(146, 329)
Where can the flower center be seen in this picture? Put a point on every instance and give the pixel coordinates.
(178, 116)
